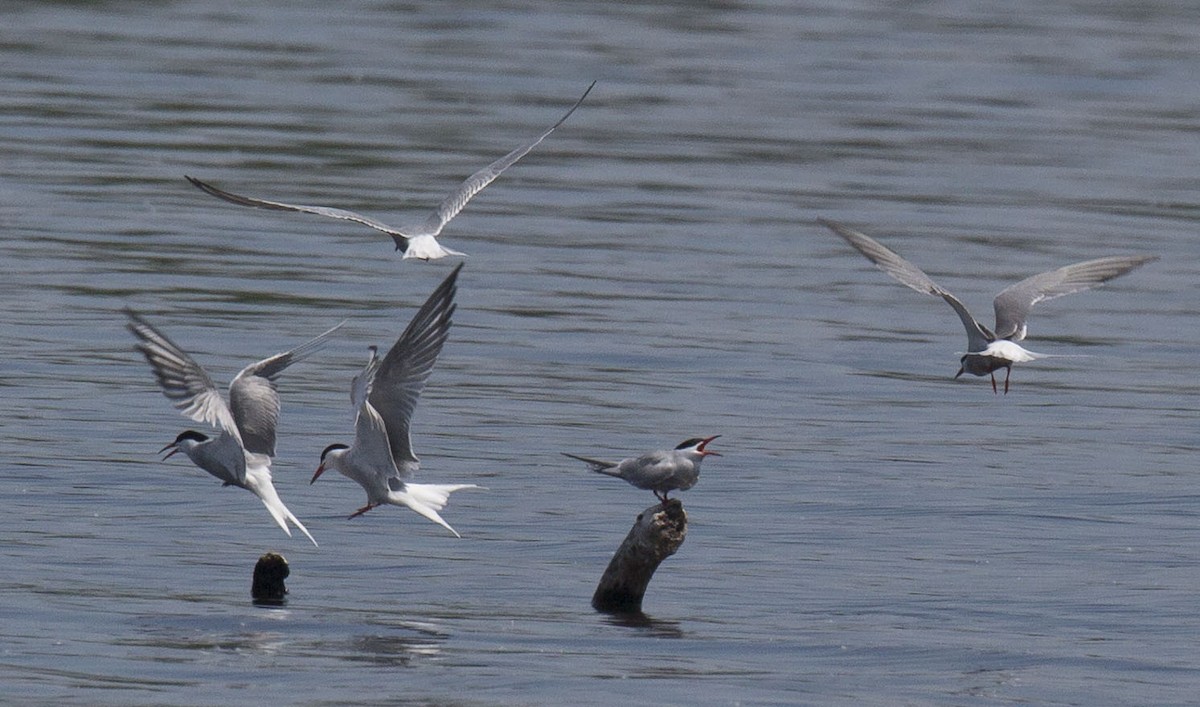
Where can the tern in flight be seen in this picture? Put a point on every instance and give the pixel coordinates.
(384, 395)
(661, 471)
(989, 350)
(418, 240)
(240, 455)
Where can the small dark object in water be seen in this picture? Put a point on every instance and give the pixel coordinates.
(656, 535)
(269, 573)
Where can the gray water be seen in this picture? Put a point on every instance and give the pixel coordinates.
(876, 532)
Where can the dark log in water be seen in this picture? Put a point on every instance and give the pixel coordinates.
(656, 535)
(267, 588)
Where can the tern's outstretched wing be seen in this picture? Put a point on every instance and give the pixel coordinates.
(433, 225)
(910, 275)
(405, 368)
(182, 380)
(475, 183)
(1013, 304)
(254, 400)
(399, 236)
(360, 386)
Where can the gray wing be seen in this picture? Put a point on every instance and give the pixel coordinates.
(1013, 304)
(405, 368)
(651, 465)
(455, 202)
(254, 400)
(360, 386)
(182, 380)
(371, 463)
(399, 236)
(910, 275)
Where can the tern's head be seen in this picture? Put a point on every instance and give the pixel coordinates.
(325, 457)
(697, 445)
(186, 440)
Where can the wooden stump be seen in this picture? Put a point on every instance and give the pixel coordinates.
(656, 535)
(269, 572)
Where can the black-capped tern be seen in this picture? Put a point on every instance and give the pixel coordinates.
(416, 240)
(989, 350)
(661, 471)
(385, 394)
(240, 455)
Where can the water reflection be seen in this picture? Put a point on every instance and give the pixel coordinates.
(250, 642)
(398, 651)
(646, 624)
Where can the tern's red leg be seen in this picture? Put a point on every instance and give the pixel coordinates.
(362, 510)
(1007, 373)
(994, 384)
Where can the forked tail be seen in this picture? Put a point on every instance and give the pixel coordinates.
(1010, 351)
(265, 490)
(428, 499)
(596, 465)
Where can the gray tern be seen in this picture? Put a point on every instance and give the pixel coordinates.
(240, 455)
(989, 350)
(385, 395)
(660, 471)
(416, 240)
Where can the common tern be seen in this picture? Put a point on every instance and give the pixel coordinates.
(240, 455)
(385, 394)
(989, 350)
(418, 240)
(661, 471)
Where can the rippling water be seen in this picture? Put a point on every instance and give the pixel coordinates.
(876, 533)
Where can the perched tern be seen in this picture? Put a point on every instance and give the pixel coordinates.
(240, 455)
(385, 394)
(990, 350)
(417, 240)
(662, 471)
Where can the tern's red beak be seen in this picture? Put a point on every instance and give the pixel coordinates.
(173, 447)
(316, 475)
(705, 452)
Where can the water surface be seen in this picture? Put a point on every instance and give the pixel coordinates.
(876, 533)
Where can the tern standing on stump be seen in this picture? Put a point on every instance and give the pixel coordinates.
(990, 350)
(416, 240)
(661, 471)
(385, 394)
(241, 454)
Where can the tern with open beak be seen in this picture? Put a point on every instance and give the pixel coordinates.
(661, 471)
(240, 455)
